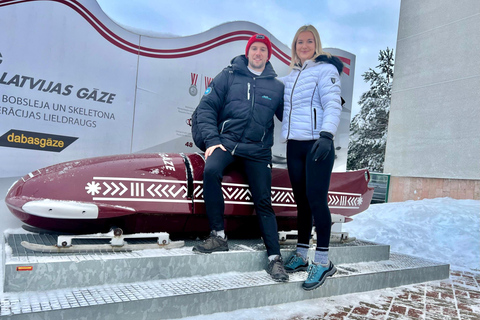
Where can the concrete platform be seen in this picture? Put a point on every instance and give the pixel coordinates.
(55, 271)
(177, 283)
(182, 297)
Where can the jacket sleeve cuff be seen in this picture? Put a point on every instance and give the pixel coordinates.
(325, 134)
(212, 142)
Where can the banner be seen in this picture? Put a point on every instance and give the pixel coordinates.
(69, 75)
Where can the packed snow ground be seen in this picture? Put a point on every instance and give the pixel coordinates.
(442, 229)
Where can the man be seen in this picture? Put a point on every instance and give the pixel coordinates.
(235, 117)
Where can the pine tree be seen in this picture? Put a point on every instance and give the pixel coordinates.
(368, 129)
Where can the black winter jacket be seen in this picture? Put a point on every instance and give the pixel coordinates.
(237, 110)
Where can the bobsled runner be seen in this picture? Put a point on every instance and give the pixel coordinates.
(160, 192)
(117, 243)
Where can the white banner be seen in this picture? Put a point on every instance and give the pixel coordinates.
(73, 84)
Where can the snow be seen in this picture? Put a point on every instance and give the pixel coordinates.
(441, 229)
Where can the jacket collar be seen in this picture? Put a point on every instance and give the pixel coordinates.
(240, 64)
(322, 59)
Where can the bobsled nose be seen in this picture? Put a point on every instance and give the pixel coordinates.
(61, 209)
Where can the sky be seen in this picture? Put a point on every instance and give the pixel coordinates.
(442, 229)
(361, 27)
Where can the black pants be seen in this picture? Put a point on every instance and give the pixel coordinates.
(310, 182)
(259, 176)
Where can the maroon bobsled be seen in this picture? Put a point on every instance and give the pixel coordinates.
(159, 193)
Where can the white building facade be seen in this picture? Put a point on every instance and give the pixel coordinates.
(433, 145)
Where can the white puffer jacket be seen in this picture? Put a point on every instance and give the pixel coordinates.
(312, 99)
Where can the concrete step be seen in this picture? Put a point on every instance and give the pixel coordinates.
(56, 271)
(205, 294)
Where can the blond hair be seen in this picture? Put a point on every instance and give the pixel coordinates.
(318, 45)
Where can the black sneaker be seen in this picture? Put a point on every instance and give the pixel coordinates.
(212, 244)
(276, 270)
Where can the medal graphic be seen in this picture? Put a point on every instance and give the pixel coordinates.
(207, 82)
(193, 87)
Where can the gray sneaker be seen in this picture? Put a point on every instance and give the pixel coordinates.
(276, 270)
(212, 244)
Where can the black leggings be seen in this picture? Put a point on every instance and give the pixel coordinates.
(310, 182)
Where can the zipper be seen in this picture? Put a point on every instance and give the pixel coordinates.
(249, 87)
(223, 125)
(251, 110)
(291, 103)
(314, 111)
(253, 97)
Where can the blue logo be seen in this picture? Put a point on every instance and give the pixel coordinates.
(266, 97)
(208, 90)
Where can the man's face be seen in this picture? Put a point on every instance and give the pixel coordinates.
(257, 56)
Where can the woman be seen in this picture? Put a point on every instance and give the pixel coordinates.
(310, 120)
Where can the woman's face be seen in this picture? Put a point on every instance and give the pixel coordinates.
(305, 46)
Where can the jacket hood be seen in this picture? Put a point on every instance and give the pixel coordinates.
(240, 63)
(332, 60)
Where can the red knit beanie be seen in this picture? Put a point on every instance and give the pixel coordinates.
(259, 38)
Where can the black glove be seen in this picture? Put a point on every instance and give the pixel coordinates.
(322, 146)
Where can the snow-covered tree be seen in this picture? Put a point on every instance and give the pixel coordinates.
(368, 129)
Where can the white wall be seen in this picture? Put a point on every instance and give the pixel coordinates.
(434, 129)
(7, 219)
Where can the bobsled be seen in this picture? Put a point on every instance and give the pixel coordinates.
(160, 192)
